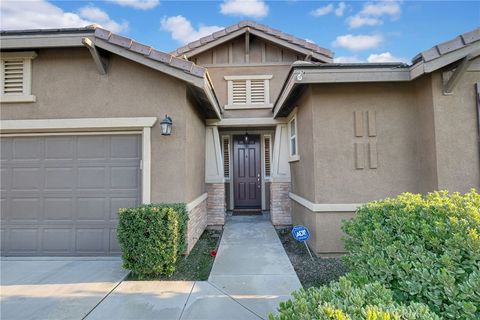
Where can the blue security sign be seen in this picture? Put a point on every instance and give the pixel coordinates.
(300, 233)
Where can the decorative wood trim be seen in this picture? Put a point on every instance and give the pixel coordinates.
(324, 207)
(100, 61)
(191, 205)
(146, 165)
(249, 77)
(247, 106)
(245, 122)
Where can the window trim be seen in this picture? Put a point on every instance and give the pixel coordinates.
(26, 96)
(232, 106)
(293, 157)
(228, 138)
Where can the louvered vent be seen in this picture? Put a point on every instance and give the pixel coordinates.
(13, 76)
(239, 92)
(226, 157)
(267, 156)
(257, 91)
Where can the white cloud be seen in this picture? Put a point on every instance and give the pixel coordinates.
(330, 8)
(372, 13)
(358, 42)
(182, 30)
(309, 40)
(350, 59)
(138, 4)
(384, 57)
(322, 10)
(340, 9)
(40, 14)
(248, 8)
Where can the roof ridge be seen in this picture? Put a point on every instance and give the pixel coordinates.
(149, 52)
(258, 26)
(445, 47)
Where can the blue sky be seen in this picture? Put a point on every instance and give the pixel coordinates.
(375, 31)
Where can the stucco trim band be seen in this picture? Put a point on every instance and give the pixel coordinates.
(324, 207)
(191, 205)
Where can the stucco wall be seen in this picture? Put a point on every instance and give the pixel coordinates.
(68, 85)
(337, 179)
(456, 134)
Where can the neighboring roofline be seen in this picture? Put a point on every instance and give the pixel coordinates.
(125, 47)
(302, 73)
(260, 30)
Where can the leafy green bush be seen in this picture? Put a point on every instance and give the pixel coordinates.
(151, 238)
(344, 300)
(425, 249)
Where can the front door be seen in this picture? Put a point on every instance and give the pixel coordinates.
(246, 172)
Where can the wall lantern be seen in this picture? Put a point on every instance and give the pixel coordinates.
(166, 126)
(246, 138)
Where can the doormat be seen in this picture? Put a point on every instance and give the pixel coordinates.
(247, 212)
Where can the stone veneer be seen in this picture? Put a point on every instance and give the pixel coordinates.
(216, 204)
(280, 204)
(197, 222)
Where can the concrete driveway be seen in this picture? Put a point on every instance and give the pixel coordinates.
(56, 288)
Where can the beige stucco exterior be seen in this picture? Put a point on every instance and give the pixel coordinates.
(424, 141)
(67, 84)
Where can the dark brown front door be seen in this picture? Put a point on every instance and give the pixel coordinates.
(246, 172)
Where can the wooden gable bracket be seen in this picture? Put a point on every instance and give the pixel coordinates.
(100, 60)
(457, 74)
(247, 45)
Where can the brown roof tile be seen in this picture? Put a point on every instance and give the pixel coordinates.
(251, 24)
(150, 53)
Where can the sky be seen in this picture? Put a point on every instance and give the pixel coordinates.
(356, 31)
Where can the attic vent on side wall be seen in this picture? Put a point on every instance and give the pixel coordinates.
(248, 92)
(226, 156)
(16, 77)
(267, 156)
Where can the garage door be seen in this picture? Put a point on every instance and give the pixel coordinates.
(60, 194)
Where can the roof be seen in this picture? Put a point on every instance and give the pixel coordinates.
(454, 44)
(266, 30)
(195, 76)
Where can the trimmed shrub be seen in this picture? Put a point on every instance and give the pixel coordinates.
(151, 238)
(344, 300)
(425, 249)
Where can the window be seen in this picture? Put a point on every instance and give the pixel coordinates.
(267, 155)
(226, 156)
(292, 133)
(16, 76)
(246, 92)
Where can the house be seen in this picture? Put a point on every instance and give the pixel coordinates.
(262, 120)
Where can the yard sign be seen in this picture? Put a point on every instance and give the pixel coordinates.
(301, 234)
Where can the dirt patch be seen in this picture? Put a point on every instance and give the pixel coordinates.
(314, 273)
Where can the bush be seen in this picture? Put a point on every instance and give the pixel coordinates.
(425, 249)
(151, 238)
(344, 300)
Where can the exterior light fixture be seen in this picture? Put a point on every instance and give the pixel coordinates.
(245, 138)
(166, 126)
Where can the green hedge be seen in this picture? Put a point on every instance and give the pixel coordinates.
(344, 300)
(425, 249)
(151, 238)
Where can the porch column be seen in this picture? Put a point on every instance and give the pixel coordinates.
(214, 179)
(280, 206)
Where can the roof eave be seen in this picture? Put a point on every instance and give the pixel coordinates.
(10, 41)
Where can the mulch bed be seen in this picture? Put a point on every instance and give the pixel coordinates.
(311, 273)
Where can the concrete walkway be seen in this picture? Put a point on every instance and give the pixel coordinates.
(250, 276)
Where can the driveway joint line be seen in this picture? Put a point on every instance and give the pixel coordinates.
(186, 301)
(213, 285)
(105, 297)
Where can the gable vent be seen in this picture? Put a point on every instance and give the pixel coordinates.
(239, 91)
(257, 91)
(267, 155)
(13, 76)
(226, 157)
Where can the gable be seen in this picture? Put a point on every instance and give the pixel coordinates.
(236, 51)
(247, 29)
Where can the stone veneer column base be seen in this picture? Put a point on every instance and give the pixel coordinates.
(280, 205)
(216, 204)
(197, 222)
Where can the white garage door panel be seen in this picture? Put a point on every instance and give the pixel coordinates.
(60, 194)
